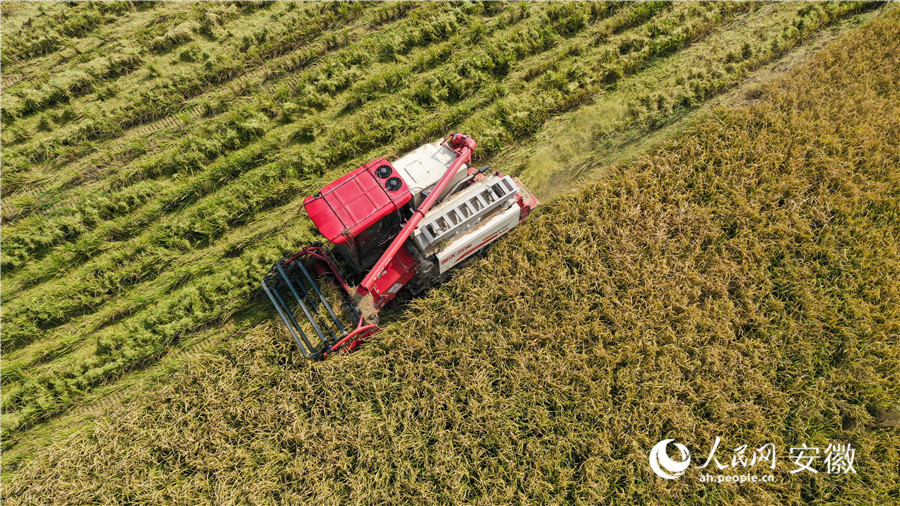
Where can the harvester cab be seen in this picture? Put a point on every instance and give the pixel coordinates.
(389, 226)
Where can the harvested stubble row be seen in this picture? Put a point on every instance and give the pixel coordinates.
(740, 282)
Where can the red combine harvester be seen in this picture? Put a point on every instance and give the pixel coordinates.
(391, 226)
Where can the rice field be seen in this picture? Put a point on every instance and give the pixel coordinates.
(148, 184)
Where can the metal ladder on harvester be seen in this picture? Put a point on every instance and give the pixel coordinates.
(463, 211)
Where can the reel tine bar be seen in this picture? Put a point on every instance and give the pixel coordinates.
(290, 273)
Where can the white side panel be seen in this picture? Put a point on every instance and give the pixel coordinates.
(424, 166)
(469, 243)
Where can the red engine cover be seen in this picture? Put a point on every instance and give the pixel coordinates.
(358, 200)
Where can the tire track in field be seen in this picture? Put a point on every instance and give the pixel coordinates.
(83, 337)
(113, 20)
(191, 350)
(93, 167)
(593, 164)
(177, 121)
(8, 79)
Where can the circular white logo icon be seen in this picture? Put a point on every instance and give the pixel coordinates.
(663, 466)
